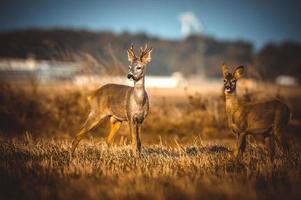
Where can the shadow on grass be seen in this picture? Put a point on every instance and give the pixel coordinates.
(9, 151)
(188, 151)
(193, 151)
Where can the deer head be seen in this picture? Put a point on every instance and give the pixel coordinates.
(137, 64)
(230, 79)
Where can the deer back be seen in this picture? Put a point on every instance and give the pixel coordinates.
(259, 116)
(112, 99)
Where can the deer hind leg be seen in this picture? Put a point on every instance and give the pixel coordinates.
(281, 139)
(278, 129)
(92, 120)
(270, 141)
(115, 125)
(241, 145)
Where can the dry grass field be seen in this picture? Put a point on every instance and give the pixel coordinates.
(186, 154)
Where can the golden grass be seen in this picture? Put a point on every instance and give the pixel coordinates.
(44, 169)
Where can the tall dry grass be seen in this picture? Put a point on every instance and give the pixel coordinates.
(55, 111)
(44, 169)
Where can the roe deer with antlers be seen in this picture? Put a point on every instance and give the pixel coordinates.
(267, 118)
(120, 102)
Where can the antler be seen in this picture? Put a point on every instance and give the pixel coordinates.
(131, 52)
(144, 51)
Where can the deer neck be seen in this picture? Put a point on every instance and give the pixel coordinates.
(232, 103)
(139, 91)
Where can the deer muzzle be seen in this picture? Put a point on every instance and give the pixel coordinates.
(130, 76)
(228, 89)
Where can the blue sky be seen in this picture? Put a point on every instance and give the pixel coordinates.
(257, 21)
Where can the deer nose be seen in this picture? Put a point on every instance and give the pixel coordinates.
(130, 76)
(228, 88)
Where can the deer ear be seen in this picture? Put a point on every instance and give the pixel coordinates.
(225, 69)
(146, 58)
(238, 72)
(131, 54)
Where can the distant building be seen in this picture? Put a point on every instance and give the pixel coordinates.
(41, 70)
(286, 80)
(173, 81)
(84, 80)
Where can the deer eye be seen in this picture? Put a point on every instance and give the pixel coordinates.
(225, 81)
(138, 68)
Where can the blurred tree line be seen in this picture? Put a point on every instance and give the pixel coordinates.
(193, 55)
(275, 59)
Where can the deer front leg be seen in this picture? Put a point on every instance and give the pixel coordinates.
(135, 134)
(241, 145)
(138, 137)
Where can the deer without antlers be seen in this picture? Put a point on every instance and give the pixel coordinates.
(120, 102)
(267, 118)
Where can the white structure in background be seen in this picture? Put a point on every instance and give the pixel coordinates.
(51, 71)
(189, 24)
(56, 71)
(286, 80)
(176, 80)
(18, 64)
(86, 80)
(173, 81)
(41, 70)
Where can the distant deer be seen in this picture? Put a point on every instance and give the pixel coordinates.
(267, 118)
(121, 103)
